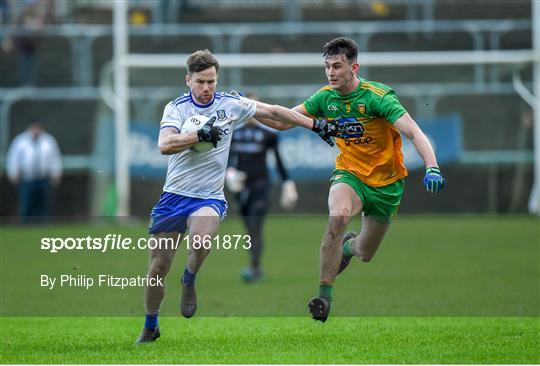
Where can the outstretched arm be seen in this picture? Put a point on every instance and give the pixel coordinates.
(281, 118)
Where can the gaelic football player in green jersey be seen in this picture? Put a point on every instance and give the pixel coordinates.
(369, 174)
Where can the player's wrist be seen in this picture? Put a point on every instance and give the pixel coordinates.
(193, 137)
(314, 125)
(433, 169)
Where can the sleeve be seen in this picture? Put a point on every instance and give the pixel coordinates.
(12, 163)
(273, 144)
(55, 165)
(313, 105)
(390, 108)
(171, 117)
(246, 109)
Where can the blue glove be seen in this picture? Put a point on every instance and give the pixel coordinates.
(433, 180)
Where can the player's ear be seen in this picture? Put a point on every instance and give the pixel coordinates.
(188, 79)
(355, 68)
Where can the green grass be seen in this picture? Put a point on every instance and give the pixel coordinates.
(443, 289)
(273, 340)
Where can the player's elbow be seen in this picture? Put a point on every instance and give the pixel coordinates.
(164, 149)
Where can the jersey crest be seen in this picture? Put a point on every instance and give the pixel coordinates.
(221, 114)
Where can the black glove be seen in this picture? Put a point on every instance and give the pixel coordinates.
(210, 133)
(325, 130)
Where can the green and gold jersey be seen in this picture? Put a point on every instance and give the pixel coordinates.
(375, 157)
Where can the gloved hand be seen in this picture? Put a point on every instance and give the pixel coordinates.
(325, 130)
(433, 180)
(289, 195)
(235, 180)
(210, 133)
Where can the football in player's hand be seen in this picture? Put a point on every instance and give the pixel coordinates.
(194, 124)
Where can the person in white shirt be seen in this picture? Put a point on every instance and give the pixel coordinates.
(192, 199)
(34, 163)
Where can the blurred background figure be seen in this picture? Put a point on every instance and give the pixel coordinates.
(33, 164)
(29, 18)
(247, 177)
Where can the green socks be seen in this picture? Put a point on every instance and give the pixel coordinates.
(325, 290)
(347, 249)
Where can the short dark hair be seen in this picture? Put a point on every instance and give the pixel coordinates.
(341, 46)
(201, 60)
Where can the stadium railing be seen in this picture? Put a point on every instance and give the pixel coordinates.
(228, 37)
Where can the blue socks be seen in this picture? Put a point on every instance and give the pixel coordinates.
(151, 321)
(188, 277)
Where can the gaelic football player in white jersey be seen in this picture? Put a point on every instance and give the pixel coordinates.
(192, 200)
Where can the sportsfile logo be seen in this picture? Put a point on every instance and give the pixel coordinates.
(120, 242)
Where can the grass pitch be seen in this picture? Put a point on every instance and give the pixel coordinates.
(440, 290)
(273, 340)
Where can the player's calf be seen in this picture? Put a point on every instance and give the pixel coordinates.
(347, 253)
(188, 301)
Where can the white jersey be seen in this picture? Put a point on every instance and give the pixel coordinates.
(202, 175)
(30, 159)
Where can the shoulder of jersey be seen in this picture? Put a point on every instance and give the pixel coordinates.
(374, 87)
(181, 99)
(221, 95)
(325, 88)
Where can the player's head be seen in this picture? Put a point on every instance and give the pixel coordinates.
(340, 62)
(202, 75)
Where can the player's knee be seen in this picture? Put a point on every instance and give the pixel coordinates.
(366, 257)
(201, 249)
(337, 223)
(341, 212)
(159, 267)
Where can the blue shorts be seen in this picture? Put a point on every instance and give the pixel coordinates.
(173, 210)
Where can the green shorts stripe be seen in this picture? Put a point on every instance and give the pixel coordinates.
(381, 203)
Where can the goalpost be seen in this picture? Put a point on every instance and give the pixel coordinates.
(123, 61)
